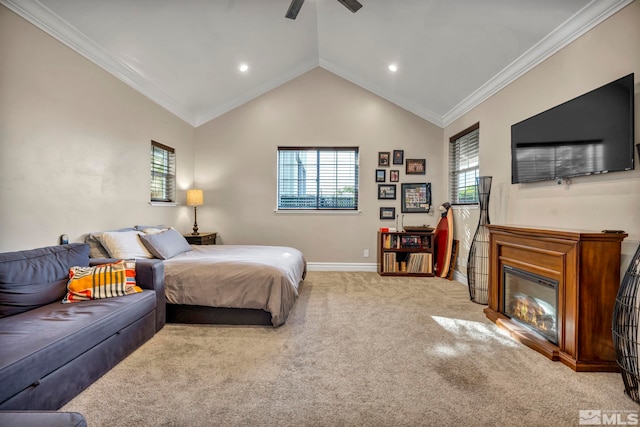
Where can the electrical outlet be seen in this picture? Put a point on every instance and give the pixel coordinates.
(366, 253)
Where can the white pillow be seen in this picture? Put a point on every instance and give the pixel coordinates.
(124, 245)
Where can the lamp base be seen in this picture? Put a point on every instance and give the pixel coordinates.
(195, 221)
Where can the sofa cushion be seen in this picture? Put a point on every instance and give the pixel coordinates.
(42, 418)
(102, 281)
(36, 277)
(58, 333)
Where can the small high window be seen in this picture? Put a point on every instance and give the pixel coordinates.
(464, 166)
(163, 173)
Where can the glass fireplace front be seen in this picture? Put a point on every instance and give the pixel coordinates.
(531, 300)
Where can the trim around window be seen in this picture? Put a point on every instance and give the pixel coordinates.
(464, 166)
(317, 179)
(163, 174)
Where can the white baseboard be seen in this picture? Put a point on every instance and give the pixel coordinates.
(457, 276)
(341, 266)
(372, 267)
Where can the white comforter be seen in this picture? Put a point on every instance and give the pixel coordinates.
(237, 276)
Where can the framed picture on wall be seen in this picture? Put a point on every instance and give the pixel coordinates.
(387, 213)
(383, 158)
(398, 157)
(386, 191)
(416, 167)
(416, 197)
(381, 175)
(394, 175)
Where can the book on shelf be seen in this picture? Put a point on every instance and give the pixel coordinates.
(389, 262)
(396, 241)
(419, 263)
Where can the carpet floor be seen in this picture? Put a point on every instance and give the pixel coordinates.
(358, 349)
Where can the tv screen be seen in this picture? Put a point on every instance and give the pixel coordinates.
(590, 134)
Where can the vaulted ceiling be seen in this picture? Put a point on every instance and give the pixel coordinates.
(185, 55)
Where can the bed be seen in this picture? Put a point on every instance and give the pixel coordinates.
(225, 284)
(236, 284)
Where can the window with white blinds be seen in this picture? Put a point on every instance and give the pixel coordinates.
(318, 178)
(464, 166)
(163, 173)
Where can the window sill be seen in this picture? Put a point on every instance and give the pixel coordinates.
(315, 212)
(163, 203)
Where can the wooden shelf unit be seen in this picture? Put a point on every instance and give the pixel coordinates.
(587, 268)
(413, 249)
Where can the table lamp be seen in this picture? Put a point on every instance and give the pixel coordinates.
(195, 198)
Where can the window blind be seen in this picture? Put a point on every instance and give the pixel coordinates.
(464, 166)
(163, 173)
(318, 178)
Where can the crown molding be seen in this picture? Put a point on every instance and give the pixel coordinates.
(43, 18)
(582, 21)
(400, 101)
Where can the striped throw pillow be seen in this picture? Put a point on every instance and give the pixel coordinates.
(102, 281)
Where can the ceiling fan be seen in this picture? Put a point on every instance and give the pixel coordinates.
(294, 8)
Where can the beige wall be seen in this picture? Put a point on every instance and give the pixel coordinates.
(74, 144)
(611, 201)
(236, 165)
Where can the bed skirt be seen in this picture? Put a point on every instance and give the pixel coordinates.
(197, 314)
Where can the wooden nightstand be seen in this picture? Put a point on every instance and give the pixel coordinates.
(201, 239)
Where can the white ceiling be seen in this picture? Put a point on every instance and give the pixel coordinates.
(184, 55)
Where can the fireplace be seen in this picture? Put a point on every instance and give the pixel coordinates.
(554, 291)
(531, 300)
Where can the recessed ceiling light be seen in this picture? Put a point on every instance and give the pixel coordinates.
(244, 68)
(393, 68)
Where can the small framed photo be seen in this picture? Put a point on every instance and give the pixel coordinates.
(416, 167)
(383, 158)
(394, 175)
(381, 175)
(416, 197)
(386, 191)
(387, 213)
(398, 157)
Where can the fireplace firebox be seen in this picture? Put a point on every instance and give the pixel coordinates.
(532, 300)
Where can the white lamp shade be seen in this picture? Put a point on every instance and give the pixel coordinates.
(195, 197)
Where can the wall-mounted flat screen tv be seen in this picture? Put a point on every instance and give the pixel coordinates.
(590, 134)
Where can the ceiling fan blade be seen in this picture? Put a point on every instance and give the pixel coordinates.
(294, 8)
(352, 5)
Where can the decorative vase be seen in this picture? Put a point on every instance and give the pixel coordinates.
(625, 328)
(478, 262)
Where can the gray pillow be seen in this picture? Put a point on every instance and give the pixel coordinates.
(165, 245)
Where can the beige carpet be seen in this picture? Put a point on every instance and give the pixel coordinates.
(357, 350)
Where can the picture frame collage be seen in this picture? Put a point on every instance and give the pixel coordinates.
(415, 197)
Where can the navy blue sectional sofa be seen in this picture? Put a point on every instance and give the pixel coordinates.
(49, 351)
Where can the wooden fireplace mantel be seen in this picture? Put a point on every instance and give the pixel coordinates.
(587, 268)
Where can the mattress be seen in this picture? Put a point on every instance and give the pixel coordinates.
(237, 276)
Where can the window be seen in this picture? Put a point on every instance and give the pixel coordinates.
(464, 166)
(163, 173)
(318, 178)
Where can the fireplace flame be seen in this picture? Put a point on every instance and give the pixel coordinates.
(528, 310)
